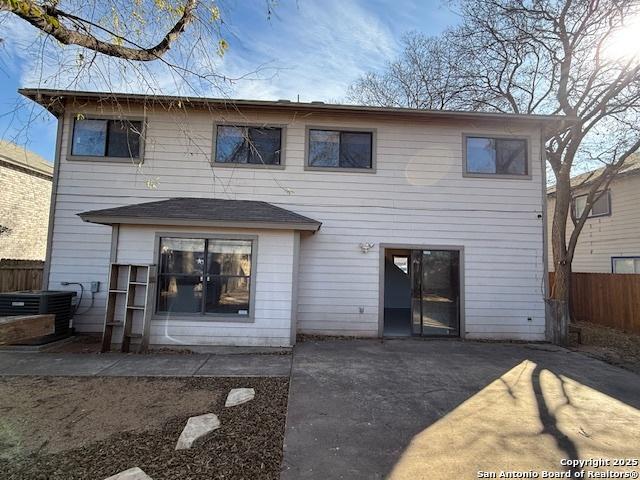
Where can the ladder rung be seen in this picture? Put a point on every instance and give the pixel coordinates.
(135, 307)
(133, 335)
(117, 291)
(138, 283)
(114, 324)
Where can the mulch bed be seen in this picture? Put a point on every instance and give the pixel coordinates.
(610, 345)
(248, 445)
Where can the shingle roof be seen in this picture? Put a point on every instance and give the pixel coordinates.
(52, 99)
(203, 212)
(631, 167)
(15, 155)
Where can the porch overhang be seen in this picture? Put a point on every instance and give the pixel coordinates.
(204, 212)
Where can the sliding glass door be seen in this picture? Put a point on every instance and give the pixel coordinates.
(435, 292)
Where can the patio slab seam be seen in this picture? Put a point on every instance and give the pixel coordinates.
(96, 365)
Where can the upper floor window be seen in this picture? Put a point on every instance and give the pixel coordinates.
(601, 207)
(116, 138)
(340, 149)
(248, 145)
(496, 156)
(625, 265)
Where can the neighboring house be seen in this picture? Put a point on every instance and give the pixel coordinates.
(25, 196)
(268, 219)
(610, 239)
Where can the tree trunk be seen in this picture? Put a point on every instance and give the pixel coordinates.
(560, 306)
(561, 288)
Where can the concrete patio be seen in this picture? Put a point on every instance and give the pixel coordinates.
(412, 409)
(126, 365)
(437, 409)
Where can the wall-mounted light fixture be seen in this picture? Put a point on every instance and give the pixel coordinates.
(365, 247)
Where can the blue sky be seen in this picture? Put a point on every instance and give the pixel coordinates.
(313, 49)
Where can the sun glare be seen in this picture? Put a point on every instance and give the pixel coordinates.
(625, 44)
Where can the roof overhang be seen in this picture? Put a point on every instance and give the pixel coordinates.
(586, 179)
(117, 220)
(54, 101)
(204, 212)
(42, 172)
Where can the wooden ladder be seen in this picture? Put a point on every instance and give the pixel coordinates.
(138, 277)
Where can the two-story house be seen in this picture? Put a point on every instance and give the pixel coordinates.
(270, 218)
(610, 239)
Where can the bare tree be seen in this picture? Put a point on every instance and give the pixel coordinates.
(72, 29)
(140, 46)
(566, 57)
(425, 76)
(95, 39)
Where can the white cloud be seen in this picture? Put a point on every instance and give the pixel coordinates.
(314, 49)
(320, 48)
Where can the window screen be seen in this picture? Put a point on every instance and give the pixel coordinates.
(106, 138)
(601, 207)
(496, 156)
(248, 145)
(625, 265)
(337, 149)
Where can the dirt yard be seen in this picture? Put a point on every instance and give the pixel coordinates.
(613, 346)
(91, 428)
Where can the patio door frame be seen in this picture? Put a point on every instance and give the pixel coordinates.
(401, 246)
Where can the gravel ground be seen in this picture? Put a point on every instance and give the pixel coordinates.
(70, 428)
(610, 345)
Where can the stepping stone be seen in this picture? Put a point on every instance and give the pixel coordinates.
(132, 474)
(238, 396)
(196, 428)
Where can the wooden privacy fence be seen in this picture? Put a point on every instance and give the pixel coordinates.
(608, 299)
(20, 275)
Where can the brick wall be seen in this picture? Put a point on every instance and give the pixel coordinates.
(24, 213)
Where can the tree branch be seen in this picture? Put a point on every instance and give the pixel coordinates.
(48, 19)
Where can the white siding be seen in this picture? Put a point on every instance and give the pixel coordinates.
(616, 235)
(274, 273)
(417, 196)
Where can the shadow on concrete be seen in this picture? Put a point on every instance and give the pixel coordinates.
(440, 409)
(564, 444)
